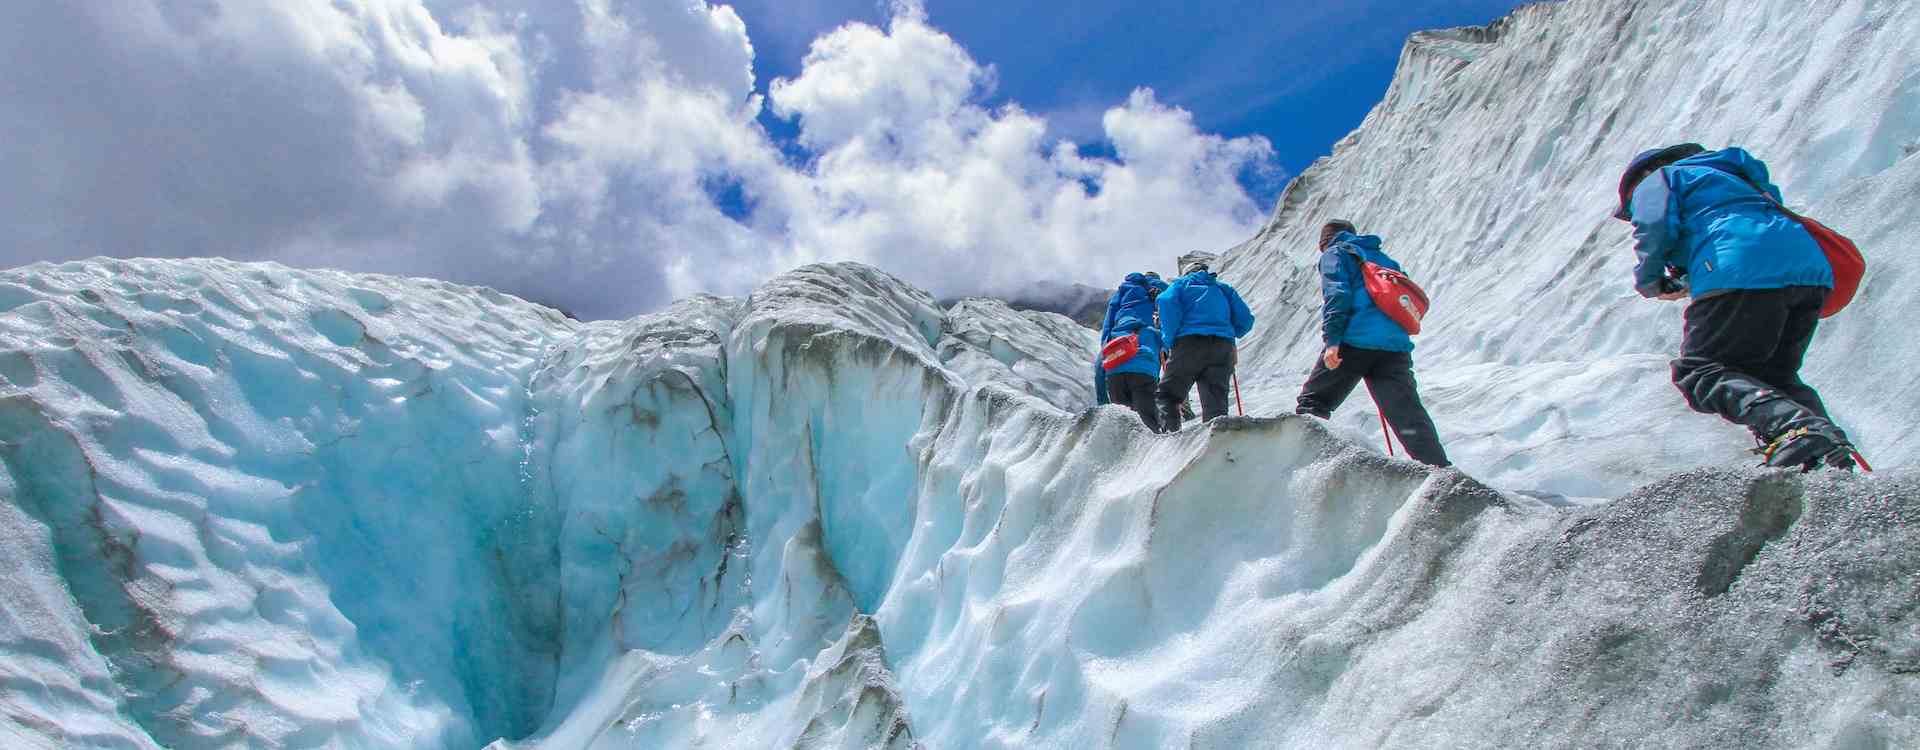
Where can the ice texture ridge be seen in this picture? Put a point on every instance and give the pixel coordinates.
(250, 506)
(1489, 169)
(243, 505)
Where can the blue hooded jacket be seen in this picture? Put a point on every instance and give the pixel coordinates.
(1703, 217)
(1147, 362)
(1198, 304)
(1347, 313)
(1134, 298)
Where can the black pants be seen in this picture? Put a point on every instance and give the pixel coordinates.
(1135, 391)
(1741, 355)
(1389, 376)
(1203, 360)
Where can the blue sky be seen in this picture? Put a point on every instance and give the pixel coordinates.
(609, 156)
(1301, 74)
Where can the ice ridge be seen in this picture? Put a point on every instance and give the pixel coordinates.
(250, 506)
(785, 521)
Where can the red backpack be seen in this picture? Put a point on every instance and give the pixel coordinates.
(1395, 294)
(1119, 351)
(1848, 264)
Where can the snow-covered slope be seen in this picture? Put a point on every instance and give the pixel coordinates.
(240, 513)
(248, 506)
(1490, 169)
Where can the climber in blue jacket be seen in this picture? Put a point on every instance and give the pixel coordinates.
(1133, 299)
(1200, 318)
(1133, 383)
(1708, 225)
(1363, 344)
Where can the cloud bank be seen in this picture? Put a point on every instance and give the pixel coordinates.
(599, 155)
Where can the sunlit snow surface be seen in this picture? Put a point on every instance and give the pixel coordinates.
(247, 506)
(1490, 169)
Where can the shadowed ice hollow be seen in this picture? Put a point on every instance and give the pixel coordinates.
(247, 506)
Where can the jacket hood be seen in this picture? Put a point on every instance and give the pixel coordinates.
(1362, 241)
(1140, 279)
(1733, 159)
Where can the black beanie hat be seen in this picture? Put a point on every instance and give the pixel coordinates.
(1645, 164)
(1333, 228)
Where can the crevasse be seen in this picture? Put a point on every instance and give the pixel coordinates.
(250, 506)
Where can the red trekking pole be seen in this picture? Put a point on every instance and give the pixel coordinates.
(1237, 402)
(1385, 434)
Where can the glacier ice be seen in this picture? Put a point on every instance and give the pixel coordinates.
(251, 506)
(1489, 169)
(207, 453)
(785, 521)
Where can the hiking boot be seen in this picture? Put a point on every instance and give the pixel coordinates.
(1841, 460)
(1807, 448)
(1770, 416)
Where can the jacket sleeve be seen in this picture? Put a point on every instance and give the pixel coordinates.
(1336, 294)
(1169, 304)
(1655, 234)
(1106, 326)
(1242, 316)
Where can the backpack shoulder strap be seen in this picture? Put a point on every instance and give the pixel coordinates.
(1359, 258)
(1359, 271)
(1756, 188)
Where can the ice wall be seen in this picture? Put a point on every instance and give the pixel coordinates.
(790, 521)
(1490, 168)
(253, 506)
(248, 506)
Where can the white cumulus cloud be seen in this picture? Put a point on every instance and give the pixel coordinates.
(602, 155)
(916, 177)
